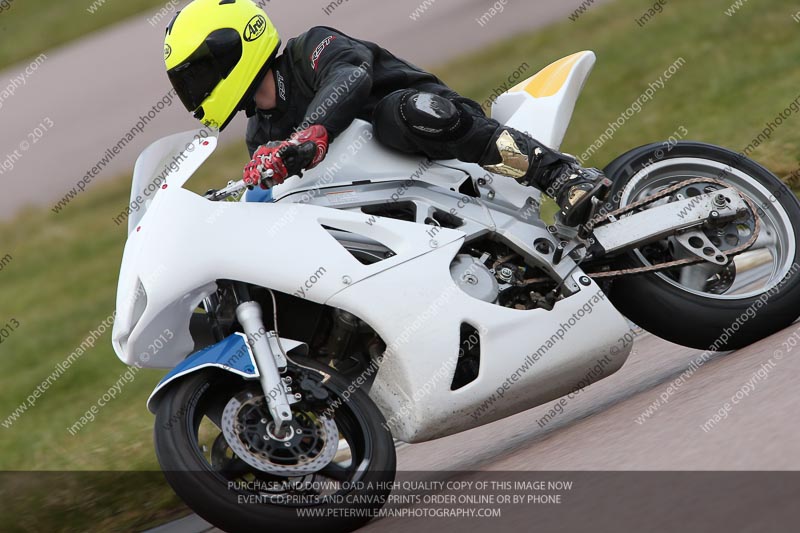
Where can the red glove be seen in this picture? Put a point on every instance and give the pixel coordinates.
(304, 150)
(267, 157)
(315, 137)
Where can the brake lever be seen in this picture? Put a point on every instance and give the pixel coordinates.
(229, 190)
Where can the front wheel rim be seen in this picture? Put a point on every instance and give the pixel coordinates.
(349, 466)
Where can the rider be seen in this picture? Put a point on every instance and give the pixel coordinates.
(222, 58)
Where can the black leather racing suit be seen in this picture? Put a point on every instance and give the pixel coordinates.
(325, 77)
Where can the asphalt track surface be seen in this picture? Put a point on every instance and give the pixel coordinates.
(95, 90)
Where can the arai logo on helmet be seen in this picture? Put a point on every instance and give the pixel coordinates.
(255, 28)
(167, 51)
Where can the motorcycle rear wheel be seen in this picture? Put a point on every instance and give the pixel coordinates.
(700, 306)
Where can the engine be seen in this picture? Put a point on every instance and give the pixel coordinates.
(494, 273)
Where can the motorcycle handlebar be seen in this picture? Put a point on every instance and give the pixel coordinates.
(229, 190)
(234, 187)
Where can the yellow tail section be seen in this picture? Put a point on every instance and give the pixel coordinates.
(543, 104)
(550, 79)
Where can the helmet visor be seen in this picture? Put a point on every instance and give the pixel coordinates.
(196, 78)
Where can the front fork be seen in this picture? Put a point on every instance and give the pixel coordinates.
(270, 361)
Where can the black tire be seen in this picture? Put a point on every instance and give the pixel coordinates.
(207, 493)
(690, 319)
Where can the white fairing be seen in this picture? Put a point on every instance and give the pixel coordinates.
(185, 243)
(422, 320)
(167, 158)
(182, 243)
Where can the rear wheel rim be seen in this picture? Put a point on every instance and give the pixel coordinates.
(756, 273)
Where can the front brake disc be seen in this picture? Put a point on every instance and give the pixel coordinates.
(305, 446)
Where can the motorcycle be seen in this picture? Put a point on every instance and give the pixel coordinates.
(383, 296)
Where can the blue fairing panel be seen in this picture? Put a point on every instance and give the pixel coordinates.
(259, 195)
(232, 354)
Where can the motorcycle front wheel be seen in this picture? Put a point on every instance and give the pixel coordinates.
(330, 470)
(707, 306)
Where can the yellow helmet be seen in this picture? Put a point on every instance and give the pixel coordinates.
(217, 53)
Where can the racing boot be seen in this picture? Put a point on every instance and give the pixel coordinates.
(515, 154)
(574, 188)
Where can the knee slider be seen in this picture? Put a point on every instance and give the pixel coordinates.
(429, 114)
